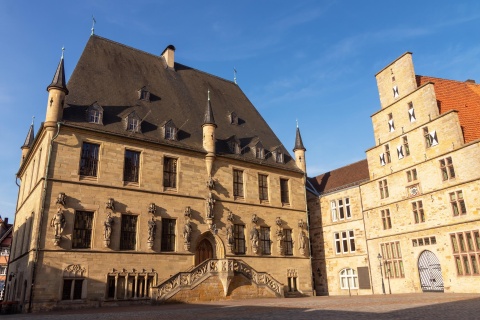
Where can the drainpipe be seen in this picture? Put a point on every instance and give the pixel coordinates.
(309, 235)
(42, 211)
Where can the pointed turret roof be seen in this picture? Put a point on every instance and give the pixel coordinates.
(209, 119)
(298, 142)
(29, 139)
(59, 78)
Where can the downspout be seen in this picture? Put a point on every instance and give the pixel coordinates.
(42, 209)
(309, 235)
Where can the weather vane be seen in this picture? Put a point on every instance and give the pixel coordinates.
(93, 25)
(234, 75)
(63, 50)
(297, 122)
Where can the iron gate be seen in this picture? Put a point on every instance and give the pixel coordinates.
(430, 272)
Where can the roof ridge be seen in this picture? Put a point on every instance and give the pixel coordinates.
(459, 81)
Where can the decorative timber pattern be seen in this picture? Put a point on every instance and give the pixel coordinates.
(225, 269)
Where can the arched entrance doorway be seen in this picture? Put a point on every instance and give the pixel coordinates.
(204, 251)
(430, 272)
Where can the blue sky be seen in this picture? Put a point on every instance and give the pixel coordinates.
(313, 61)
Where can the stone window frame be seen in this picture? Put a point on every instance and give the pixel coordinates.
(388, 158)
(90, 159)
(386, 219)
(74, 283)
(82, 233)
(344, 242)
(418, 212)
(168, 237)
(392, 259)
(466, 252)
(128, 232)
(447, 169)
(406, 147)
(131, 166)
(412, 175)
(348, 279)
(263, 187)
(238, 184)
(265, 240)
(170, 173)
(239, 238)
(113, 288)
(457, 202)
(424, 241)
(284, 191)
(95, 114)
(340, 207)
(383, 188)
(288, 242)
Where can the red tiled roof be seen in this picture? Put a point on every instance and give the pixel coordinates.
(343, 177)
(461, 96)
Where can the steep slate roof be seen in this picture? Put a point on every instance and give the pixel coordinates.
(58, 80)
(461, 96)
(350, 175)
(298, 142)
(111, 74)
(29, 139)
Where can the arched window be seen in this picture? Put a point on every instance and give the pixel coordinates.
(348, 279)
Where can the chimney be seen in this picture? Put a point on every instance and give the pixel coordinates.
(470, 81)
(169, 55)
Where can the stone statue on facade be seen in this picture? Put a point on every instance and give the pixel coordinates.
(254, 236)
(187, 229)
(209, 204)
(151, 232)
(107, 229)
(58, 223)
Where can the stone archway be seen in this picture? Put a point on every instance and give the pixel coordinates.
(206, 241)
(204, 251)
(430, 272)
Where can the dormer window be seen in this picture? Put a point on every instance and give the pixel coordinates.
(233, 118)
(278, 155)
(170, 131)
(143, 94)
(133, 122)
(234, 145)
(259, 151)
(95, 114)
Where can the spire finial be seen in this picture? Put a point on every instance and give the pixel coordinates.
(234, 75)
(297, 122)
(63, 50)
(33, 120)
(93, 25)
(208, 94)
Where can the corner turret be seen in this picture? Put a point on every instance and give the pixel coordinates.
(28, 142)
(299, 151)
(57, 91)
(209, 127)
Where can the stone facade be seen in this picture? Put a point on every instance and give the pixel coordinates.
(415, 220)
(72, 236)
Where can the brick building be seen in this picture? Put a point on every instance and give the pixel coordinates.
(406, 219)
(143, 170)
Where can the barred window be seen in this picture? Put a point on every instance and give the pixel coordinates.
(458, 204)
(82, 230)
(238, 184)
(386, 219)
(131, 166)
(265, 240)
(89, 159)
(284, 194)
(128, 232)
(393, 262)
(466, 252)
(446, 166)
(382, 184)
(263, 187)
(418, 213)
(288, 242)
(168, 235)
(239, 238)
(169, 172)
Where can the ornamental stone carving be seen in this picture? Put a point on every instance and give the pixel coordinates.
(152, 208)
(302, 238)
(110, 204)
(58, 223)
(61, 199)
(230, 240)
(280, 237)
(107, 230)
(254, 236)
(209, 206)
(152, 226)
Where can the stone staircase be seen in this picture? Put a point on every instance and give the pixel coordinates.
(224, 269)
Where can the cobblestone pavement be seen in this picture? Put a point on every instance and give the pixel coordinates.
(402, 306)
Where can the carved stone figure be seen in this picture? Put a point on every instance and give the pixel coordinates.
(107, 227)
(58, 222)
(187, 232)
(302, 240)
(110, 204)
(61, 198)
(152, 208)
(230, 235)
(151, 230)
(210, 202)
(254, 235)
(280, 238)
(210, 183)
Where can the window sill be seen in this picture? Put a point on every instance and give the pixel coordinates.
(131, 184)
(88, 178)
(170, 189)
(264, 201)
(285, 204)
(239, 198)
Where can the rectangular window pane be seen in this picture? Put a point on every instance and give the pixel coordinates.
(238, 183)
(239, 237)
(168, 235)
(89, 159)
(77, 289)
(265, 240)
(169, 172)
(131, 166)
(288, 242)
(67, 289)
(82, 230)
(128, 232)
(284, 191)
(263, 187)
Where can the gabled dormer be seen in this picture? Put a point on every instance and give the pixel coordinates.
(143, 94)
(259, 150)
(170, 131)
(233, 118)
(278, 155)
(95, 113)
(234, 145)
(132, 122)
